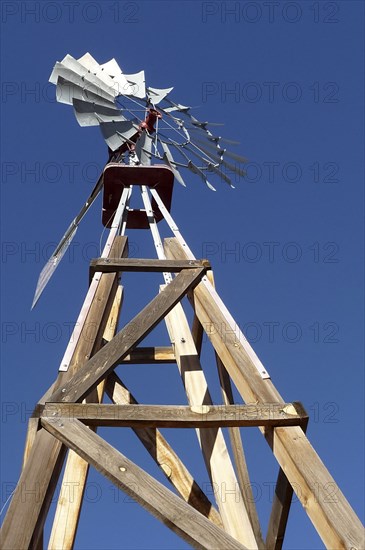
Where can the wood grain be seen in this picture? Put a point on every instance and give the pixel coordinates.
(172, 510)
(178, 416)
(164, 456)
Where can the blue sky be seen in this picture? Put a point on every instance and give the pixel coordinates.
(286, 245)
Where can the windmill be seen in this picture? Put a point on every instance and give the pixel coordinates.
(152, 142)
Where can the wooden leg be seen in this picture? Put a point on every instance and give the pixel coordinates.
(229, 498)
(172, 510)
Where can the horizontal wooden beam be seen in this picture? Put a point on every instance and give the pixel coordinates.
(178, 416)
(169, 508)
(145, 355)
(113, 265)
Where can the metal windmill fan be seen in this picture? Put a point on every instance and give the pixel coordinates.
(141, 126)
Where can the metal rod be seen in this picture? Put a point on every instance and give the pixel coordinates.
(154, 230)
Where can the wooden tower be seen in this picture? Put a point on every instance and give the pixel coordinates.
(62, 438)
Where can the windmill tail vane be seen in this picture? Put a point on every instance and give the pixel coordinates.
(139, 124)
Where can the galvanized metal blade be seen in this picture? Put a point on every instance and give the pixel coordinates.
(93, 72)
(121, 84)
(156, 95)
(66, 91)
(169, 160)
(221, 160)
(200, 124)
(109, 71)
(198, 172)
(76, 73)
(213, 168)
(211, 165)
(176, 107)
(137, 82)
(144, 148)
(236, 157)
(88, 61)
(117, 133)
(89, 114)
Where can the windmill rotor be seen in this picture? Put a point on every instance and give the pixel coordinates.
(139, 124)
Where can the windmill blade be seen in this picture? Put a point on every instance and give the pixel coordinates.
(120, 80)
(64, 243)
(72, 70)
(217, 139)
(199, 124)
(138, 84)
(220, 160)
(109, 71)
(198, 172)
(236, 157)
(88, 61)
(156, 95)
(215, 169)
(144, 148)
(210, 164)
(117, 133)
(129, 85)
(195, 169)
(168, 159)
(66, 91)
(112, 69)
(176, 107)
(89, 114)
(96, 86)
(224, 152)
(90, 69)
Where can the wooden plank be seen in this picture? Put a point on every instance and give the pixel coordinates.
(218, 463)
(99, 366)
(279, 512)
(179, 416)
(197, 333)
(239, 455)
(164, 456)
(280, 509)
(237, 446)
(318, 492)
(73, 485)
(69, 503)
(32, 492)
(31, 435)
(335, 521)
(112, 265)
(169, 508)
(146, 355)
(113, 319)
(47, 451)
